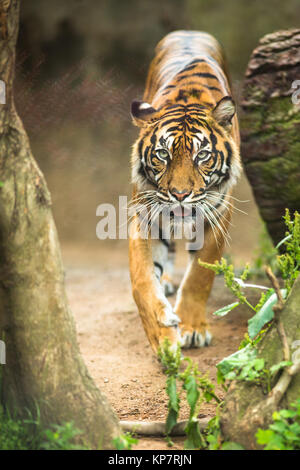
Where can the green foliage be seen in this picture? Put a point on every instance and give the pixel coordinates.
(213, 437)
(244, 365)
(284, 432)
(264, 307)
(224, 310)
(252, 342)
(17, 434)
(231, 446)
(124, 441)
(265, 312)
(196, 386)
(13, 434)
(213, 433)
(289, 262)
(60, 437)
(198, 389)
(222, 267)
(171, 361)
(174, 402)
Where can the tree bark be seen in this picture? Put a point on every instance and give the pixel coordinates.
(246, 406)
(270, 127)
(44, 369)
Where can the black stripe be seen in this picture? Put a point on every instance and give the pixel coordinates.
(229, 150)
(159, 266)
(204, 75)
(163, 240)
(214, 88)
(193, 64)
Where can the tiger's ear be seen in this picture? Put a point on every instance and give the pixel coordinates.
(142, 112)
(224, 111)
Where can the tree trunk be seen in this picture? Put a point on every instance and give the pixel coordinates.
(270, 127)
(44, 369)
(246, 406)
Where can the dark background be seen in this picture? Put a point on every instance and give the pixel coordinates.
(79, 65)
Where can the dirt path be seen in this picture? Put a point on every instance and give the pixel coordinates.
(114, 344)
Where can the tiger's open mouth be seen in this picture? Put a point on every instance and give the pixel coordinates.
(177, 211)
(181, 211)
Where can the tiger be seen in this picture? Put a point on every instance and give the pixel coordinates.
(187, 157)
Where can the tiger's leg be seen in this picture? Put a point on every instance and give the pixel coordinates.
(157, 315)
(195, 288)
(163, 252)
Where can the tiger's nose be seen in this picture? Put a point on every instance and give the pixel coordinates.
(180, 195)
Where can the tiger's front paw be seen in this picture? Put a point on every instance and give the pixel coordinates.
(195, 337)
(167, 317)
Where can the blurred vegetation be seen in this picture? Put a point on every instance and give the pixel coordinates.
(29, 434)
(118, 37)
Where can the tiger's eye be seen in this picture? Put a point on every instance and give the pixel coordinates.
(203, 154)
(162, 153)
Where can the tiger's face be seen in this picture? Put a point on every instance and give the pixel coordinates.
(185, 152)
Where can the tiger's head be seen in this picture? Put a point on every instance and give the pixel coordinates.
(185, 152)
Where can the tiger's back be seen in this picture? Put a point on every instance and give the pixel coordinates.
(188, 60)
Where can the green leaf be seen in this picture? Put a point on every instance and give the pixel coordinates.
(231, 446)
(124, 442)
(259, 364)
(287, 414)
(194, 438)
(173, 404)
(172, 393)
(279, 427)
(224, 310)
(263, 316)
(220, 377)
(236, 360)
(279, 366)
(264, 436)
(171, 420)
(191, 387)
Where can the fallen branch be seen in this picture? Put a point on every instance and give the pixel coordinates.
(158, 428)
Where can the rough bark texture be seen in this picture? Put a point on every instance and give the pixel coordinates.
(44, 367)
(246, 407)
(270, 127)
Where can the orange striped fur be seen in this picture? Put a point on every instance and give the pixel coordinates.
(187, 157)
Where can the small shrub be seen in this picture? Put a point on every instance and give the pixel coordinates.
(197, 387)
(124, 441)
(284, 432)
(17, 434)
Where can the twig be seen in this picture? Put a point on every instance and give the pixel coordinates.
(277, 309)
(282, 385)
(275, 284)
